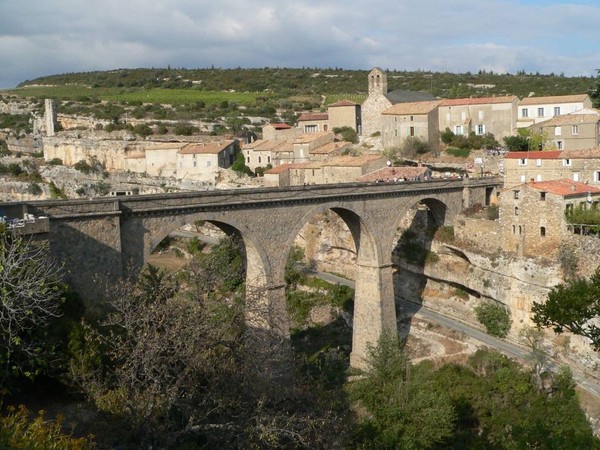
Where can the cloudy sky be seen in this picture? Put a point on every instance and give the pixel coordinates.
(45, 37)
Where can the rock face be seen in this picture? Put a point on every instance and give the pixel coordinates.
(457, 279)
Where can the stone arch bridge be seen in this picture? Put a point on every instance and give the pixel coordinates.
(109, 237)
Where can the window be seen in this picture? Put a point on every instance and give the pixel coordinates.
(395, 133)
(412, 131)
(259, 159)
(522, 178)
(576, 176)
(248, 160)
(480, 129)
(569, 208)
(520, 229)
(514, 229)
(542, 196)
(566, 162)
(268, 159)
(575, 130)
(557, 131)
(542, 231)
(516, 194)
(523, 161)
(557, 110)
(195, 163)
(597, 176)
(311, 128)
(559, 145)
(458, 130)
(538, 177)
(516, 210)
(540, 112)
(538, 162)
(524, 112)
(412, 118)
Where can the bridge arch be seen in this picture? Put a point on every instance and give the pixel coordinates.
(374, 305)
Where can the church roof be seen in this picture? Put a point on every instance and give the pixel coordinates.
(400, 96)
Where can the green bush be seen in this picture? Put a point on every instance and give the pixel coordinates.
(55, 162)
(494, 317)
(458, 152)
(18, 432)
(34, 189)
(348, 134)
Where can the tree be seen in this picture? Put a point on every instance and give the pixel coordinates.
(30, 297)
(516, 143)
(403, 410)
(494, 317)
(595, 91)
(573, 306)
(239, 165)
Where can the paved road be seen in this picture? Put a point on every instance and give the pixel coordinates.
(191, 234)
(511, 349)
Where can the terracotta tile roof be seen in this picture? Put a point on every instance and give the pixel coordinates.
(330, 148)
(343, 103)
(394, 174)
(313, 116)
(309, 137)
(411, 108)
(211, 148)
(553, 99)
(280, 126)
(587, 153)
(282, 168)
(568, 119)
(351, 161)
(262, 145)
(564, 187)
(549, 154)
(478, 101)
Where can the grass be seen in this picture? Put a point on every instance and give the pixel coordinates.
(163, 96)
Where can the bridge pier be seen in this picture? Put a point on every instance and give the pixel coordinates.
(374, 310)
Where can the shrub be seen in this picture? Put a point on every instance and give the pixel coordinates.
(83, 167)
(17, 431)
(458, 152)
(348, 134)
(55, 162)
(447, 136)
(492, 212)
(494, 317)
(34, 189)
(56, 192)
(445, 234)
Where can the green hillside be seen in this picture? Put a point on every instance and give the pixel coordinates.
(160, 85)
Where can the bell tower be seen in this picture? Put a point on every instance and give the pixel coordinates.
(377, 82)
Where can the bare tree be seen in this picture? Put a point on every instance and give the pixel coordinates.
(30, 293)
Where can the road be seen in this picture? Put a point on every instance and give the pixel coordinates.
(511, 349)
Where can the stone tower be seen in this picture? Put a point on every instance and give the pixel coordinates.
(375, 103)
(377, 82)
(49, 116)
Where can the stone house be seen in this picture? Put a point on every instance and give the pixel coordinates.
(379, 99)
(345, 114)
(538, 109)
(280, 132)
(577, 165)
(203, 160)
(496, 115)
(404, 120)
(260, 152)
(329, 150)
(342, 169)
(313, 123)
(578, 130)
(532, 215)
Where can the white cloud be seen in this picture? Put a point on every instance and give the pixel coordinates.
(56, 36)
